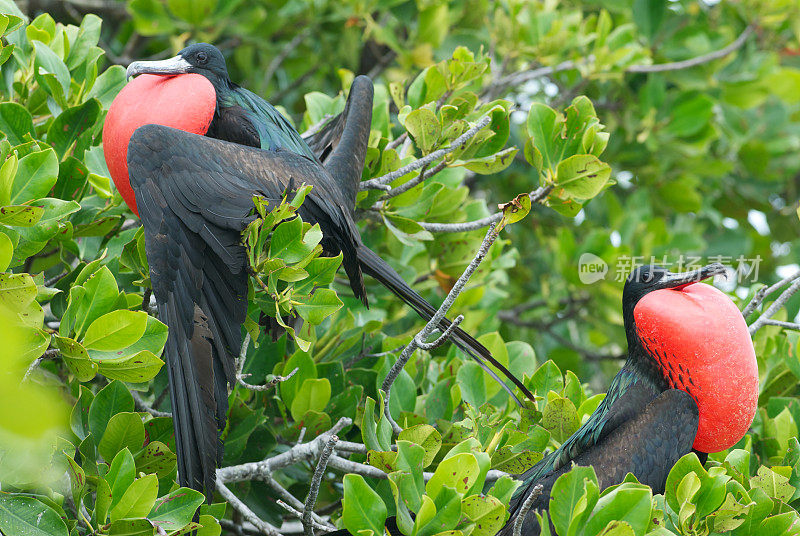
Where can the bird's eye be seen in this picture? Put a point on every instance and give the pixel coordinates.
(202, 57)
(647, 277)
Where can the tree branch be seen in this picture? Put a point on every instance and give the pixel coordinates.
(313, 491)
(526, 507)
(381, 183)
(536, 196)
(48, 354)
(766, 291)
(294, 501)
(774, 307)
(284, 53)
(434, 322)
(242, 508)
(143, 406)
(693, 62)
(263, 468)
(782, 324)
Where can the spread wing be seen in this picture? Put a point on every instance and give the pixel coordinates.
(341, 145)
(195, 198)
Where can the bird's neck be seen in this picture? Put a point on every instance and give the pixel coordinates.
(639, 361)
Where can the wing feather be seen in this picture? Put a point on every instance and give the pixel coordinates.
(195, 197)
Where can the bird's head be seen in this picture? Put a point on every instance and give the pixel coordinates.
(200, 58)
(692, 337)
(652, 278)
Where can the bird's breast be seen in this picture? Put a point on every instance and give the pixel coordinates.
(700, 341)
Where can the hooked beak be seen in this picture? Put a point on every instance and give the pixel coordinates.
(176, 65)
(684, 279)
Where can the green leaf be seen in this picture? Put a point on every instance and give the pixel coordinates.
(560, 418)
(690, 114)
(156, 458)
(101, 294)
(6, 251)
(108, 84)
(120, 476)
(137, 368)
(176, 509)
(582, 176)
(71, 123)
(648, 14)
(488, 165)
(36, 175)
(362, 508)
(48, 61)
(447, 513)
(573, 497)
(424, 127)
(130, 527)
(20, 215)
(312, 395)
(29, 517)
(323, 303)
(138, 499)
(76, 358)
(115, 330)
(425, 436)
(773, 484)
(629, 502)
(458, 472)
(112, 399)
(15, 122)
(124, 430)
(486, 512)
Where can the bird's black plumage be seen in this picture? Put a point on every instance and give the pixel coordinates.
(641, 427)
(195, 197)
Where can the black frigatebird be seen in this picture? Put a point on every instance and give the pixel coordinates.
(194, 196)
(690, 381)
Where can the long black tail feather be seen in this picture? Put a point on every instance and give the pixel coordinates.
(376, 267)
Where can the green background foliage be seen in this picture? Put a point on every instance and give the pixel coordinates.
(698, 160)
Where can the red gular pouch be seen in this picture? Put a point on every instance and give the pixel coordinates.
(184, 101)
(701, 342)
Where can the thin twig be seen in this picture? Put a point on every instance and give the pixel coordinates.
(348, 466)
(55, 279)
(518, 78)
(379, 183)
(313, 491)
(284, 53)
(782, 324)
(397, 141)
(440, 340)
(269, 383)
(240, 377)
(294, 501)
(434, 322)
(774, 307)
(298, 514)
(536, 196)
(766, 291)
(242, 508)
(693, 62)
(526, 506)
(305, 451)
(48, 354)
(316, 127)
(406, 186)
(143, 406)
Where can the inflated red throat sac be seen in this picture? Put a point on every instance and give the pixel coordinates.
(701, 342)
(185, 101)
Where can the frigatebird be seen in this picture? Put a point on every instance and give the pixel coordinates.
(690, 381)
(194, 195)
